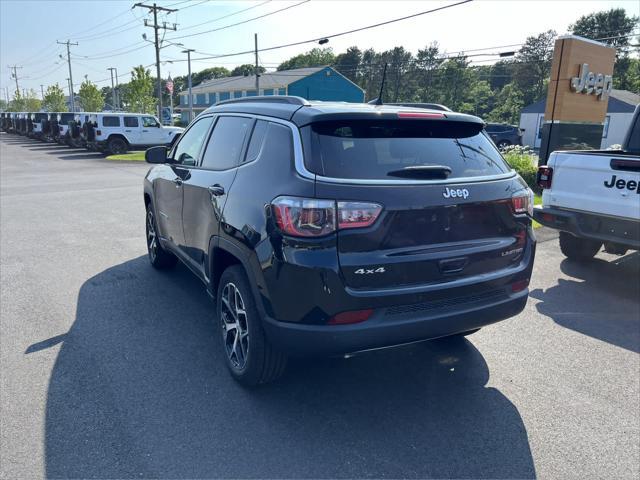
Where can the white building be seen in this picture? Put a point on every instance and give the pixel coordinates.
(619, 115)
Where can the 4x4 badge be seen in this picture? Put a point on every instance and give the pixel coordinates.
(369, 271)
(455, 193)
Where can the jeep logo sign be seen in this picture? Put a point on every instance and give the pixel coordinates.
(455, 193)
(591, 83)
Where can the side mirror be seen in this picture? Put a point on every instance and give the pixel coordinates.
(156, 155)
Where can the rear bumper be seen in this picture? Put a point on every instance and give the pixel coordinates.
(598, 227)
(393, 326)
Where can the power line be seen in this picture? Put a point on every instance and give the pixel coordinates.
(243, 22)
(224, 16)
(314, 40)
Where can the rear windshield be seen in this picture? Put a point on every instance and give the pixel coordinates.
(372, 149)
(66, 117)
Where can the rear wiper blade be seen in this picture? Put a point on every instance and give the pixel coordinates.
(422, 171)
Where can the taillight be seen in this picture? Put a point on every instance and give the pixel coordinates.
(60, 129)
(306, 217)
(98, 132)
(357, 214)
(347, 318)
(544, 176)
(522, 202)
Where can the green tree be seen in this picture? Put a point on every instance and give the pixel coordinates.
(3, 105)
(91, 98)
(348, 64)
(612, 27)
(480, 99)
(509, 103)
(315, 57)
(246, 70)
(54, 99)
(428, 60)
(31, 102)
(533, 64)
(138, 93)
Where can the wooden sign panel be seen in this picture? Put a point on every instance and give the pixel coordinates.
(578, 95)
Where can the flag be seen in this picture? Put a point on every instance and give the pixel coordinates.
(170, 86)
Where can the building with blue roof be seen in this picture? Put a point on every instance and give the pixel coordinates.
(313, 83)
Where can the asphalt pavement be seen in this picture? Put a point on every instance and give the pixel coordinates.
(110, 369)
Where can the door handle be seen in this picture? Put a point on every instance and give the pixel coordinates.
(145, 130)
(177, 181)
(216, 190)
(128, 131)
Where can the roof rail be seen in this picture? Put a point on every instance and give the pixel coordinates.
(289, 99)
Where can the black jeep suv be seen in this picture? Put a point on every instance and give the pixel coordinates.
(332, 228)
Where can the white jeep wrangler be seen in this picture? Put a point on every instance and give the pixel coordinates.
(118, 132)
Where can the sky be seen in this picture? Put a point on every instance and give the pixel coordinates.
(109, 32)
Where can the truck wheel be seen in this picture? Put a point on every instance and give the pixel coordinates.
(577, 248)
(249, 356)
(116, 146)
(158, 256)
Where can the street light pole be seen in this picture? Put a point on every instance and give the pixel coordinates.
(188, 52)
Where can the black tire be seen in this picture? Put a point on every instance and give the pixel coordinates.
(116, 146)
(251, 360)
(158, 256)
(576, 248)
(503, 144)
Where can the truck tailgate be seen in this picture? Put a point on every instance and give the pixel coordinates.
(588, 182)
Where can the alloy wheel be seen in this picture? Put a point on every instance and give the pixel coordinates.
(235, 329)
(152, 239)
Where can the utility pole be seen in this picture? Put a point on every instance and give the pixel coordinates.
(113, 90)
(255, 38)
(71, 97)
(15, 77)
(188, 52)
(155, 9)
(117, 90)
(42, 90)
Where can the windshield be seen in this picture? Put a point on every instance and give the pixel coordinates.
(375, 149)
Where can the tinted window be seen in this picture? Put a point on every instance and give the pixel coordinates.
(111, 121)
(225, 145)
(372, 149)
(130, 121)
(150, 122)
(257, 139)
(278, 144)
(66, 117)
(191, 141)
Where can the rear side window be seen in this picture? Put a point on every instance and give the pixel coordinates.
(130, 121)
(66, 117)
(226, 142)
(257, 139)
(372, 149)
(110, 121)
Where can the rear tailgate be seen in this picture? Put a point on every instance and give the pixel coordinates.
(596, 183)
(429, 230)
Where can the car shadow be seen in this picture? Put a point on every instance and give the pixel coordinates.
(82, 155)
(139, 388)
(604, 298)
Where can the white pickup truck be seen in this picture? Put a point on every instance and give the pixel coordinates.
(593, 197)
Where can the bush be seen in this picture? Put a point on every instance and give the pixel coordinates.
(524, 161)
